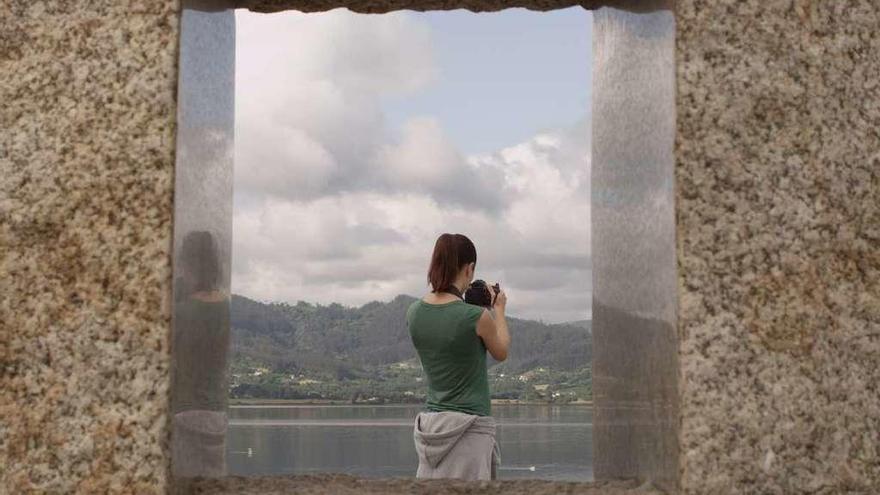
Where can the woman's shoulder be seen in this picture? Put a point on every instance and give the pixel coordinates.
(412, 307)
(474, 311)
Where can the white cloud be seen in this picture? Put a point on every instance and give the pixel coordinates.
(424, 158)
(282, 162)
(308, 114)
(426, 161)
(331, 206)
(361, 246)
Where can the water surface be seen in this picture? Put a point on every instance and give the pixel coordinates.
(377, 441)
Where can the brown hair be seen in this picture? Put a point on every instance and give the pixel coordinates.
(451, 252)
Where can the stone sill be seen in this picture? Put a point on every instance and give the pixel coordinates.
(343, 484)
(385, 6)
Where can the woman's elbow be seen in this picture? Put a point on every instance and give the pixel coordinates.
(500, 355)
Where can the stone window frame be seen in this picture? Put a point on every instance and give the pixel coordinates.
(635, 346)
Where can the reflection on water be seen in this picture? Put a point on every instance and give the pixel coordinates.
(376, 441)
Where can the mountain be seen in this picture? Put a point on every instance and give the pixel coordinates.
(348, 341)
(585, 324)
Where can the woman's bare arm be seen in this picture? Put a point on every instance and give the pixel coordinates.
(494, 331)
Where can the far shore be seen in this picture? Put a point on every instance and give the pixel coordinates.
(325, 402)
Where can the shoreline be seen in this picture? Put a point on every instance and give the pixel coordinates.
(334, 402)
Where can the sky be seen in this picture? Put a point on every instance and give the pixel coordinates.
(360, 138)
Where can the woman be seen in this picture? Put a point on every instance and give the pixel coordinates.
(455, 434)
(199, 364)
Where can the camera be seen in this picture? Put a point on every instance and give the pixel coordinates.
(478, 293)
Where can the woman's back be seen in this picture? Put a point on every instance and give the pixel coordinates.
(452, 355)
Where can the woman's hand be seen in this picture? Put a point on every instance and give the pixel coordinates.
(492, 328)
(500, 299)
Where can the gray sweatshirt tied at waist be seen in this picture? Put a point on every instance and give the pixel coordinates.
(453, 444)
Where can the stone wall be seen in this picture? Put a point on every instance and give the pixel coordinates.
(779, 245)
(87, 126)
(777, 232)
(635, 370)
(342, 484)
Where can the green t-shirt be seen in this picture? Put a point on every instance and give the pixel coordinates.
(452, 355)
(201, 346)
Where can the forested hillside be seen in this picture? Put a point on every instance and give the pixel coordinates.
(313, 350)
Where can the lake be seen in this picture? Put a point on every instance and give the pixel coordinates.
(536, 441)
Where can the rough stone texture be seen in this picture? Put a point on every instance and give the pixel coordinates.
(86, 168)
(340, 484)
(382, 6)
(778, 232)
(779, 245)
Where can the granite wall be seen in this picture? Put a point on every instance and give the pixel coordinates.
(777, 229)
(778, 219)
(635, 370)
(87, 106)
